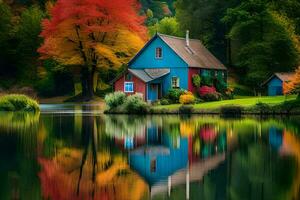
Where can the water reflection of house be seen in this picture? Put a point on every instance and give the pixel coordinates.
(130, 142)
(275, 137)
(166, 160)
(160, 156)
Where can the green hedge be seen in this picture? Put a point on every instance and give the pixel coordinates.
(18, 102)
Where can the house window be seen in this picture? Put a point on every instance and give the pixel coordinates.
(175, 82)
(153, 165)
(128, 77)
(216, 73)
(128, 86)
(158, 52)
(204, 72)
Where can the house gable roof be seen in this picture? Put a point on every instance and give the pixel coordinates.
(195, 55)
(148, 75)
(283, 76)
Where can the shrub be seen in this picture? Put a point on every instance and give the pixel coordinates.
(164, 102)
(207, 80)
(263, 108)
(198, 100)
(242, 90)
(289, 106)
(205, 90)
(115, 99)
(174, 94)
(221, 85)
(196, 80)
(231, 111)
(214, 96)
(185, 109)
(229, 93)
(187, 98)
(18, 102)
(135, 104)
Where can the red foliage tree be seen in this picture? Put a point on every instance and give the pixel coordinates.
(83, 32)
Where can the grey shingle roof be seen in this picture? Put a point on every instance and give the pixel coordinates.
(148, 75)
(196, 55)
(157, 73)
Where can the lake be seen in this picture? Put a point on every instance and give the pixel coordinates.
(75, 152)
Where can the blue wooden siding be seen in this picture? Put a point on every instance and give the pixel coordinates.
(178, 68)
(166, 165)
(275, 86)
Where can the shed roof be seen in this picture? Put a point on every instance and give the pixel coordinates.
(283, 76)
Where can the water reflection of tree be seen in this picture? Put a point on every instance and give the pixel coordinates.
(259, 173)
(92, 169)
(125, 125)
(18, 153)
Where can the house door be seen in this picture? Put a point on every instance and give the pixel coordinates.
(154, 91)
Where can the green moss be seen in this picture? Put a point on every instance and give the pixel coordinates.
(18, 102)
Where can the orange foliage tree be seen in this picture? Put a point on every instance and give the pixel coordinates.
(93, 34)
(294, 85)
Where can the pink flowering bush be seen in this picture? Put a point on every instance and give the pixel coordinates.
(204, 90)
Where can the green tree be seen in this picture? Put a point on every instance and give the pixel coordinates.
(27, 35)
(5, 34)
(203, 19)
(167, 25)
(264, 41)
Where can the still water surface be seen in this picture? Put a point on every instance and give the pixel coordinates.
(74, 152)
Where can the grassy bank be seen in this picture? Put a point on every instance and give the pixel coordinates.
(249, 105)
(18, 102)
(244, 102)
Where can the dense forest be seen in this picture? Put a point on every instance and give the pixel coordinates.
(253, 38)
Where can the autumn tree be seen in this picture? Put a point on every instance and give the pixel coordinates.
(294, 85)
(92, 34)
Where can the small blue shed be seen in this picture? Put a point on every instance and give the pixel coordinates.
(275, 83)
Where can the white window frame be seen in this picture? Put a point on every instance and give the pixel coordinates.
(128, 82)
(178, 82)
(156, 52)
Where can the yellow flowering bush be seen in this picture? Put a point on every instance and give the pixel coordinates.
(187, 98)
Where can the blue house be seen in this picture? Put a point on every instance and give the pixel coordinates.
(167, 62)
(275, 83)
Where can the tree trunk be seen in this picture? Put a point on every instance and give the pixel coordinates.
(87, 82)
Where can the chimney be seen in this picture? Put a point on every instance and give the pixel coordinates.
(187, 38)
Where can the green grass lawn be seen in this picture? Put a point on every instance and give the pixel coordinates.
(245, 102)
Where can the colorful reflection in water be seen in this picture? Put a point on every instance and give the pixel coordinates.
(91, 156)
